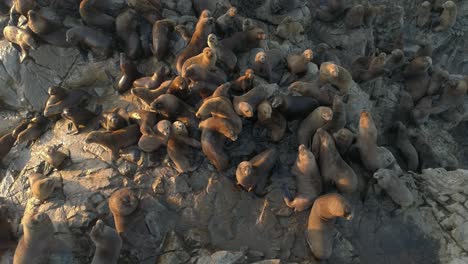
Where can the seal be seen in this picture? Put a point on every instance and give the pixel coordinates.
(108, 243)
(224, 56)
(355, 17)
(129, 73)
(315, 120)
(324, 95)
(161, 38)
(179, 148)
(339, 116)
(394, 187)
(34, 130)
(98, 43)
(60, 99)
(294, 107)
(332, 166)
(154, 81)
(115, 119)
(22, 38)
(149, 9)
(94, 17)
(123, 205)
(197, 73)
(417, 86)
(335, 75)
(247, 24)
(78, 116)
(206, 59)
(448, 17)
(174, 109)
(229, 23)
(213, 147)
(343, 139)
(272, 120)
(245, 40)
(253, 175)
(221, 125)
(126, 26)
(54, 157)
(368, 68)
(244, 83)
(180, 88)
(408, 151)
(246, 104)
(308, 180)
(298, 64)
(34, 245)
(423, 14)
(41, 187)
(321, 225)
(371, 12)
(160, 136)
(56, 94)
(332, 10)
(115, 140)
(198, 41)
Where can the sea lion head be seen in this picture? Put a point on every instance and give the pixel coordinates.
(365, 119)
(343, 135)
(209, 54)
(232, 12)
(165, 105)
(326, 113)
(212, 41)
(397, 54)
(329, 69)
(123, 202)
(246, 109)
(308, 54)
(383, 176)
(304, 153)
(264, 111)
(261, 57)
(164, 127)
(178, 128)
(180, 83)
(243, 173)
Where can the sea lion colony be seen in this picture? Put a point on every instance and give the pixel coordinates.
(200, 101)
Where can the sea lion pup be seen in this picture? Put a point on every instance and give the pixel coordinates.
(395, 61)
(35, 244)
(272, 120)
(355, 17)
(129, 73)
(339, 116)
(331, 11)
(198, 73)
(343, 139)
(289, 29)
(245, 40)
(315, 120)
(161, 37)
(394, 187)
(405, 146)
(78, 116)
(41, 187)
(335, 75)
(179, 148)
(92, 16)
(55, 104)
(84, 37)
(34, 130)
(206, 59)
(308, 180)
(369, 68)
(423, 14)
(154, 81)
(253, 175)
(126, 26)
(298, 64)
(244, 83)
(262, 66)
(115, 119)
(174, 109)
(160, 136)
(448, 17)
(451, 97)
(321, 224)
(123, 203)
(184, 33)
(198, 41)
(108, 244)
(22, 38)
(229, 22)
(332, 166)
(213, 147)
(294, 107)
(421, 111)
(221, 125)
(54, 157)
(439, 77)
(115, 140)
(224, 56)
(246, 104)
(324, 95)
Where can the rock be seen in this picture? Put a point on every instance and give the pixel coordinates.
(460, 234)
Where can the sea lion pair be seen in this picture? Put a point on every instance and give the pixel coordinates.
(253, 175)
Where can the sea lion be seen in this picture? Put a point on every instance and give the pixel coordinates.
(206, 59)
(246, 104)
(41, 187)
(22, 38)
(41, 24)
(198, 73)
(159, 137)
(224, 56)
(343, 139)
(253, 175)
(151, 10)
(438, 77)
(180, 88)
(451, 97)
(321, 224)
(97, 42)
(323, 53)
(179, 148)
(126, 26)
(289, 29)
(213, 147)
(394, 187)
(147, 96)
(35, 244)
(220, 107)
(405, 146)
(298, 64)
(423, 14)
(154, 81)
(418, 66)
(425, 49)
(332, 166)
(330, 11)
(395, 60)
(23, 6)
(339, 116)
(421, 111)
(372, 68)
(324, 95)
(221, 125)
(335, 75)
(161, 37)
(115, 140)
(123, 203)
(129, 73)
(272, 120)
(92, 16)
(355, 17)
(448, 17)
(115, 119)
(78, 116)
(315, 120)
(308, 180)
(229, 23)
(108, 244)
(294, 107)
(262, 66)
(34, 130)
(172, 108)
(245, 40)
(56, 94)
(147, 120)
(54, 157)
(244, 83)
(198, 41)
(60, 99)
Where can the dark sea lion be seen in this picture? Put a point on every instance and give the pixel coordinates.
(355, 17)
(324, 95)
(272, 120)
(94, 17)
(160, 136)
(229, 22)
(298, 64)
(40, 24)
(438, 77)
(448, 17)
(451, 97)
(23, 6)
(154, 81)
(323, 53)
(421, 111)
(22, 38)
(395, 60)
(289, 29)
(244, 83)
(417, 86)
(221, 107)
(394, 187)
(8, 140)
(179, 148)
(245, 40)
(126, 26)
(408, 151)
(315, 120)
(129, 73)
(213, 147)
(339, 116)
(373, 68)
(151, 10)
(123, 203)
(180, 88)
(336, 75)
(321, 224)
(253, 175)
(115, 119)
(97, 42)
(262, 66)
(332, 166)
(108, 243)
(78, 116)
(48, 27)
(184, 33)
(161, 37)
(56, 94)
(308, 180)
(294, 107)
(116, 140)
(73, 98)
(34, 130)
(418, 66)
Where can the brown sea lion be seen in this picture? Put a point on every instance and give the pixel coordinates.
(94, 17)
(179, 148)
(59, 99)
(40, 24)
(245, 41)
(56, 94)
(34, 130)
(145, 119)
(315, 120)
(97, 42)
(406, 148)
(339, 116)
(230, 22)
(246, 104)
(115, 119)
(198, 42)
(213, 147)
(394, 187)
(332, 166)
(180, 88)
(224, 55)
(308, 180)
(23, 6)
(78, 116)
(355, 17)
(159, 137)
(108, 243)
(41, 186)
(129, 73)
(151, 10)
(174, 109)
(154, 81)
(161, 37)
(244, 83)
(418, 66)
(35, 244)
(331, 11)
(343, 139)
(448, 17)
(22, 38)
(123, 203)
(298, 64)
(272, 120)
(126, 26)
(221, 125)
(147, 96)
(206, 59)
(55, 157)
(253, 175)
(321, 224)
(335, 75)
(197, 73)
(324, 95)
(294, 107)
(6, 143)
(116, 140)
(423, 14)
